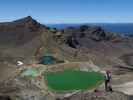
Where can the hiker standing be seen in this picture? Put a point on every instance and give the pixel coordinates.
(108, 78)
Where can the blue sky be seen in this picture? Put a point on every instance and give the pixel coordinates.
(68, 11)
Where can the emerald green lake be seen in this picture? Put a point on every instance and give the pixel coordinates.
(73, 80)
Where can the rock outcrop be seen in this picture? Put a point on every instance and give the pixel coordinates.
(73, 36)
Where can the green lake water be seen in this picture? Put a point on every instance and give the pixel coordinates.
(46, 60)
(29, 72)
(73, 80)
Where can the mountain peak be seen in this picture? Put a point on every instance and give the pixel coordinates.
(28, 22)
(25, 19)
(28, 18)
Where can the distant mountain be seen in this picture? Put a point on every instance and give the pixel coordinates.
(124, 28)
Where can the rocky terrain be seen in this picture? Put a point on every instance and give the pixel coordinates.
(27, 40)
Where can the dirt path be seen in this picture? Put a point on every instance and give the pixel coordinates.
(126, 88)
(6, 71)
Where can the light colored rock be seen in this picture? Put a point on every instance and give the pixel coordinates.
(126, 88)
